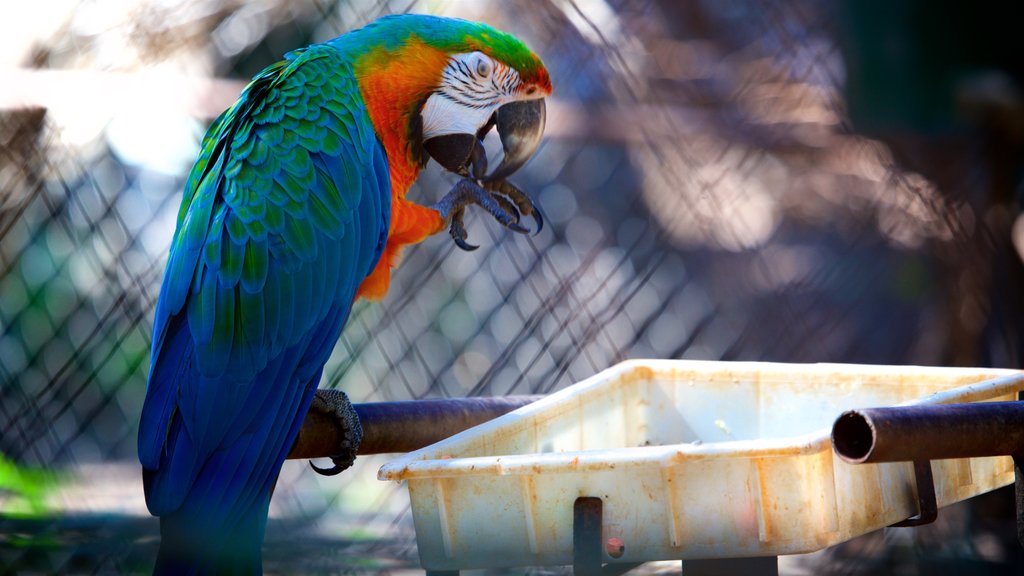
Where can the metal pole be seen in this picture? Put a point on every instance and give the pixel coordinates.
(923, 433)
(906, 433)
(401, 426)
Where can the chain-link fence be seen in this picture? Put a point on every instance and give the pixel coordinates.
(706, 197)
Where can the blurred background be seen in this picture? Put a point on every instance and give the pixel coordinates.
(791, 180)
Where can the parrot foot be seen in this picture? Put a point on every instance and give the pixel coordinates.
(337, 404)
(502, 190)
(500, 198)
(466, 191)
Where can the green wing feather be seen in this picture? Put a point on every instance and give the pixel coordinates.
(294, 111)
(272, 239)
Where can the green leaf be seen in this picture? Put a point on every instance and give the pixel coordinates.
(30, 488)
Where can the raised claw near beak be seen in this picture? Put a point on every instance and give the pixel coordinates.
(523, 204)
(466, 191)
(520, 126)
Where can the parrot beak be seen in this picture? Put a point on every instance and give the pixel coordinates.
(520, 127)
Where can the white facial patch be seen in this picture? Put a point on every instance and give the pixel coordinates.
(473, 86)
(445, 116)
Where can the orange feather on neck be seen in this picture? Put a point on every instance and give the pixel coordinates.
(394, 86)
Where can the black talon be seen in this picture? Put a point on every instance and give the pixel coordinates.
(332, 471)
(458, 232)
(518, 228)
(538, 217)
(464, 245)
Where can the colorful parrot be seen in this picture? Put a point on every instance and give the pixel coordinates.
(295, 208)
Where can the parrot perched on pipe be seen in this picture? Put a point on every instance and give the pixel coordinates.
(295, 208)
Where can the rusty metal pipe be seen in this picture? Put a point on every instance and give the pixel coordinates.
(923, 433)
(402, 426)
(906, 433)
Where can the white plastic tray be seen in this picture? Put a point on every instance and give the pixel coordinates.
(691, 459)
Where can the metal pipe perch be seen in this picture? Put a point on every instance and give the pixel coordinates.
(399, 426)
(924, 433)
(907, 433)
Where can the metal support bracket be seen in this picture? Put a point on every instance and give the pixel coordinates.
(928, 509)
(587, 541)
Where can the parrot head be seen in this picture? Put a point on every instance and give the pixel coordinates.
(436, 86)
(477, 93)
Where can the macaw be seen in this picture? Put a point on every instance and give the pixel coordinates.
(296, 207)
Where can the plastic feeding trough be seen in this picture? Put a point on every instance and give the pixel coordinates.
(658, 460)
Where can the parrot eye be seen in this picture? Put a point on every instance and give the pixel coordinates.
(483, 67)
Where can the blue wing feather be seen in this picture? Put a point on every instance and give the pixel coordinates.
(250, 306)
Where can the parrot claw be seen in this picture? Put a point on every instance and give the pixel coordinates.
(458, 233)
(511, 209)
(338, 468)
(337, 404)
(520, 126)
(464, 245)
(518, 228)
(466, 192)
(538, 217)
(523, 204)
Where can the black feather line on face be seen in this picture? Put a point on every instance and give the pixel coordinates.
(475, 96)
(467, 74)
(472, 94)
(462, 102)
(415, 134)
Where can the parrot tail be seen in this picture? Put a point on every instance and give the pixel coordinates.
(189, 547)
